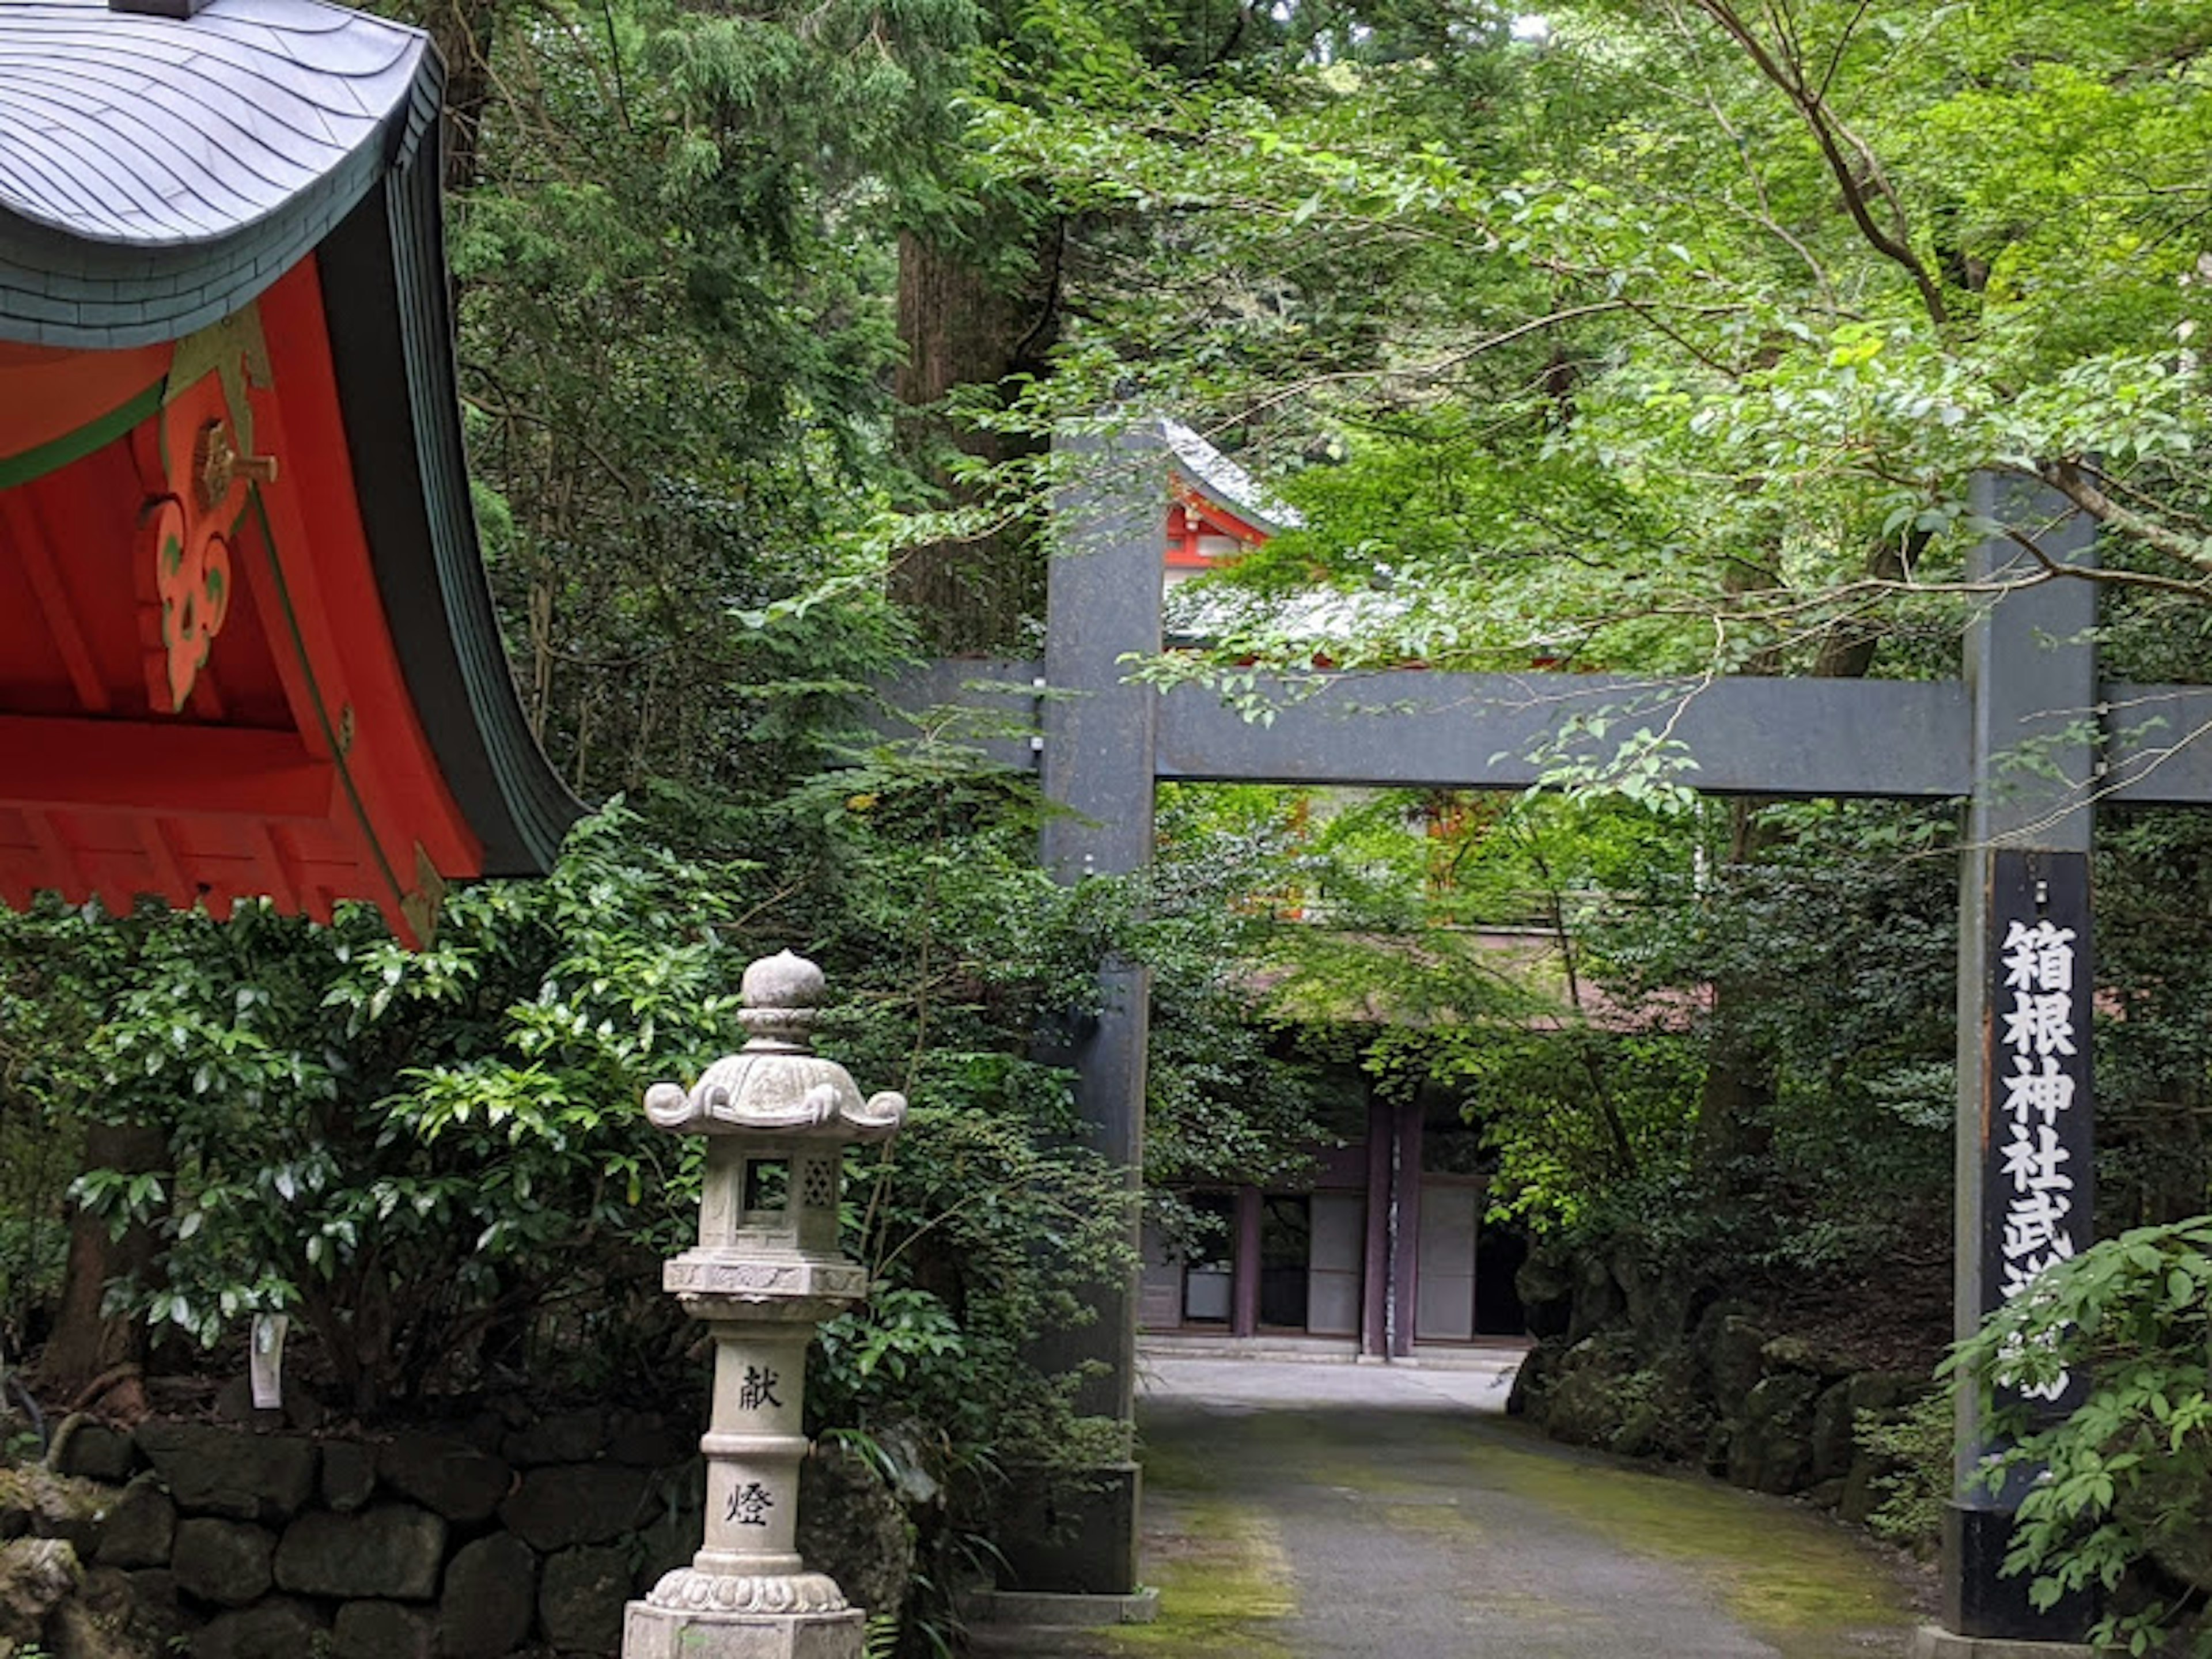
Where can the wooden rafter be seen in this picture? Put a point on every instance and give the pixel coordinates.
(222, 773)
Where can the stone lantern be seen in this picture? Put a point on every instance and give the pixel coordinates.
(766, 1272)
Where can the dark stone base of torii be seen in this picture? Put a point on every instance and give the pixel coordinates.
(2027, 739)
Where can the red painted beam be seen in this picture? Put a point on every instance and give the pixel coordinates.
(31, 542)
(175, 770)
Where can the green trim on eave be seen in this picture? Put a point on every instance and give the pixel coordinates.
(258, 510)
(58, 452)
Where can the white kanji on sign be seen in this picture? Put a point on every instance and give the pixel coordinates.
(2041, 958)
(2043, 1023)
(2039, 968)
(2031, 1093)
(2032, 1159)
(2033, 1223)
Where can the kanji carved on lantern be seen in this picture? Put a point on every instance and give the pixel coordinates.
(766, 1272)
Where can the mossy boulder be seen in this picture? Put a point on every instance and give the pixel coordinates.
(1794, 1353)
(279, 1628)
(851, 1527)
(349, 1475)
(1861, 1493)
(1668, 1412)
(36, 1503)
(1656, 1302)
(1599, 1300)
(1735, 1360)
(1888, 1391)
(383, 1630)
(446, 1475)
(93, 1451)
(231, 1473)
(572, 1436)
(2166, 1505)
(490, 1596)
(36, 1576)
(223, 1562)
(118, 1615)
(580, 1595)
(1546, 1285)
(1585, 1406)
(559, 1505)
(389, 1552)
(140, 1529)
(1534, 1378)
(1772, 1448)
(1834, 1440)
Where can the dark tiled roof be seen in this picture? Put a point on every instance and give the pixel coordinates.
(156, 173)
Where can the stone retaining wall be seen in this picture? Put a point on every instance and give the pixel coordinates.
(489, 1540)
(1630, 1363)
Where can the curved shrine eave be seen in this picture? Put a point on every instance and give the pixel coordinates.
(213, 685)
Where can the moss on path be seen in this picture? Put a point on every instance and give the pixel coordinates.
(1788, 1575)
(1526, 1540)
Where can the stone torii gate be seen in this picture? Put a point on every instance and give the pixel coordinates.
(2029, 688)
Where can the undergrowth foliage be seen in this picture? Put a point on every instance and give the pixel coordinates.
(2123, 1501)
(431, 1160)
(436, 1162)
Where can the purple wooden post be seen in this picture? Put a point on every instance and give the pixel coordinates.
(1374, 1310)
(1244, 1291)
(1405, 1228)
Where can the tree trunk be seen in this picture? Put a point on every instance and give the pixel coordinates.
(1734, 1105)
(963, 326)
(463, 31)
(88, 1344)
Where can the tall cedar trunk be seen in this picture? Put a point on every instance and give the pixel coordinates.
(86, 1344)
(1733, 1106)
(1734, 1119)
(963, 327)
(463, 31)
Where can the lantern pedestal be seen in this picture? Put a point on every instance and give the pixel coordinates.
(767, 1271)
(650, 1632)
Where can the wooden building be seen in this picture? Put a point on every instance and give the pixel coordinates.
(246, 645)
(1385, 1250)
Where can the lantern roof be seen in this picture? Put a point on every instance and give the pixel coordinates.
(776, 1084)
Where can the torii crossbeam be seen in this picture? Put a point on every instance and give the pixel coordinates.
(2029, 688)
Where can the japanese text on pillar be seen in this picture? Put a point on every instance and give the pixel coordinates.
(2038, 1036)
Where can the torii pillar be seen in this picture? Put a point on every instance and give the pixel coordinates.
(1103, 601)
(2024, 1189)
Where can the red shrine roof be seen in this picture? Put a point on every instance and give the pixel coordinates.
(1218, 510)
(246, 642)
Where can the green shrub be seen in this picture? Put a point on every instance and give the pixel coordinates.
(1915, 1443)
(2125, 1505)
